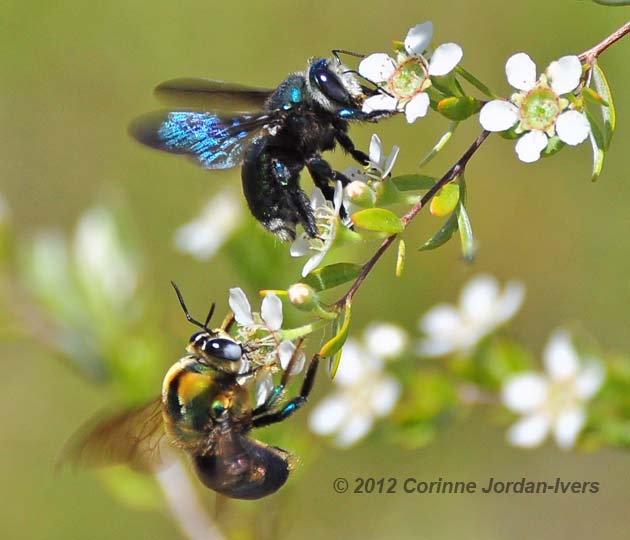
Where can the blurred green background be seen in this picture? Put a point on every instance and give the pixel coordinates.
(74, 74)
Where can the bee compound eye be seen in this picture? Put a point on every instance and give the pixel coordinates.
(224, 348)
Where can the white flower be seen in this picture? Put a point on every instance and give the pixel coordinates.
(364, 392)
(263, 345)
(327, 221)
(205, 235)
(406, 79)
(105, 265)
(553, 402)
(360, 190)
(482, 308)
(538, 110)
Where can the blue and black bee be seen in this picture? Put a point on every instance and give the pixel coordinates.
(274, 134)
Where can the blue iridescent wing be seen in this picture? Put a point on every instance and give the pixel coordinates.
(207, 95)
(214, 141)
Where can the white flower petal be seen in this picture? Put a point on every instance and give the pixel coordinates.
(205, 235)
(329, 414)
(590, 380)
(355, 428)
(271, 311)
(313, 263)
(286, 350)
(560, 359)
(419, 38)
(384, 339)
(445, 58)
(377, 67)
(521, 71)
(300, 246)
(498, 115)
(385, 396)
(264, 386)
(353, 365)
(524, 393)
(389, 162)
(417, 107)
(435, 346)
(565, 74)
(530, 146)
(380, 102)
(317, 198)
(529, 431)
(478, 299)
(440, 319)
(239, 304)
(510, 301)
(572, 127)
(568, 426)
(376, 150)
(337, 197)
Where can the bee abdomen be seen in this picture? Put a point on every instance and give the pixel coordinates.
(256, 471)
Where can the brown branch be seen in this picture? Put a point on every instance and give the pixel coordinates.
(589, 56)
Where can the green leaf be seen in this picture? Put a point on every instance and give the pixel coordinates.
(413, 182)
(400, 258)
(613, 3)
(443, 235)
(459, 108)
(332, 275)
(378, 220)
(332, 348)
(607, 110)
(599, 146)
(448, 85)
(466, 75)
(446, 136)
(445, 200)
(465, 233)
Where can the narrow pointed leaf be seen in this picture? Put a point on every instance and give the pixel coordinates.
(400, 258)
(446, 136)
(466, 75)
(332, 275)
(378, 220)
(443, 235)
(334, 345)
(608, 112)
(466, 234)
(599, 146)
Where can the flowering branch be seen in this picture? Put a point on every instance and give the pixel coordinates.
(454, 172)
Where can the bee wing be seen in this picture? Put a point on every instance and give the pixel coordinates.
(213, 141)
(136, 438)
(207, 95)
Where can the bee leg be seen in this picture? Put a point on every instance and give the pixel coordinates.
(348, 145)
(279, 389)
(265, 418)
(323, 174)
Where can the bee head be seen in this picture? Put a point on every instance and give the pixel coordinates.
(332, 84)
(212, 346)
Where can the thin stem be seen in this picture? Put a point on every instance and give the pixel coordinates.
(591, 54)
(451, 175)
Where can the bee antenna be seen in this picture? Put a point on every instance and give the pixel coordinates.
(337, 52)
(377, 87)
(185, 309)
(210, 314)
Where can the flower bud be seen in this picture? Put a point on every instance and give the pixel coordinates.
(303, 297)
(360, 194)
